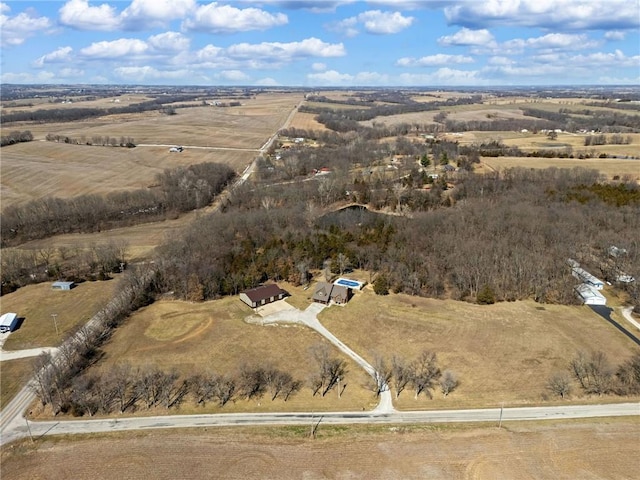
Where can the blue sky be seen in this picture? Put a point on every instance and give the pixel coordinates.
(322, 43)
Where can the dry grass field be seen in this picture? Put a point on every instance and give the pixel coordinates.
(605, 449)
(502, 353)
(610, 167)
(213, 336)
(306, 121)
(37, 302)
(39, 169)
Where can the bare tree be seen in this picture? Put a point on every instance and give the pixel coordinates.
(330, 370)
(449, 382)
(560, 384)
(593, 371)
(425, 373)
(402, 374)
(382, 375)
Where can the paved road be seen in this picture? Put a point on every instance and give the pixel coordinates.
(493, 415)
(26, 353)
(626, 313)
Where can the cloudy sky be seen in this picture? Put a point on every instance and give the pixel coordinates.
(322, 43)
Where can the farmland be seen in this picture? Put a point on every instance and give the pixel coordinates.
(567, 450)
(273, 227)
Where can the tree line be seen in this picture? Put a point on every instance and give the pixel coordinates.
(100, 140)
(595, 375)
(177, 190)
(16, 137)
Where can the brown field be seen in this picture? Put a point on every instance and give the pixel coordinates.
(36, 303)
(213, 336)
(78, 102)
(306, 121)
(603, 449)
(607, 166)
(502, 353)
(39, 169)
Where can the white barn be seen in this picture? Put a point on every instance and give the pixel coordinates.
(585, 277)
(63, 285)
(8, 322)
(589, 295)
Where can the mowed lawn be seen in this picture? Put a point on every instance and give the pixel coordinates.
(501, 353)
(213, 337)
(13, 376)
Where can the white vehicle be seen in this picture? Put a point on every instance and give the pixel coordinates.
(176, 149)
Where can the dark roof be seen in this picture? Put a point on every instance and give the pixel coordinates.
(322, 292)
(263, 292)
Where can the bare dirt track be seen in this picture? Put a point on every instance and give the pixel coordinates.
(594, 450)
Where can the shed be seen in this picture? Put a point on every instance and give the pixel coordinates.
(589, 295)
(262, 295)
(8, 322)
(63, 285)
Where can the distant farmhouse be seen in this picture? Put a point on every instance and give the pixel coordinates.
(262, 295)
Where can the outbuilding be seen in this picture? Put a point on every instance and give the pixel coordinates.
(63, 285)
(262, 295)
(8, 322)
(585, 277)
(589, 295)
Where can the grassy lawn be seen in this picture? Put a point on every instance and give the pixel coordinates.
(212, 336)
(501, 353)
(13, 376)
(36, 303)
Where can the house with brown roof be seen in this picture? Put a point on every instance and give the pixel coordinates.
(262, 295)
(327, 293)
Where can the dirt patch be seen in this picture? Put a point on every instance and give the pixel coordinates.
(603, 450)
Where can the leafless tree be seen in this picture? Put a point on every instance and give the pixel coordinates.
(560, 384)
(402, 374)
(383, 373)
(425, 373)
(593, 371)
(449, 382)
(330, 370)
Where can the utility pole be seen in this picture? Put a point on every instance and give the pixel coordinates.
(501, 409)
(55, 322)
(29, 428)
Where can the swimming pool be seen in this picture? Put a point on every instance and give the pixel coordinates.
(345, 282)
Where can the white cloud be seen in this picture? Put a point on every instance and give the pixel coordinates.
(334, 78)
(443, 76)
(552, 41)
(169, 42)
(4, 8)
(71, 73)
(149, 13)
(62, 54)
(468, 37)
(373, 21)
(148, 73)
(285, 52)
(24, 77)
(15, 30)
(614, 35)
(439, 59)
(227, 19)
(234, 76)
(115, 49)
(550, 14)
(619, 80)
(499, 60)
(267, 82)
(319, 67)
(80, 15)
(384, 23)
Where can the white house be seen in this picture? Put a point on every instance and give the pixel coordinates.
(589, 295)
(8, 322)
(585, 277)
